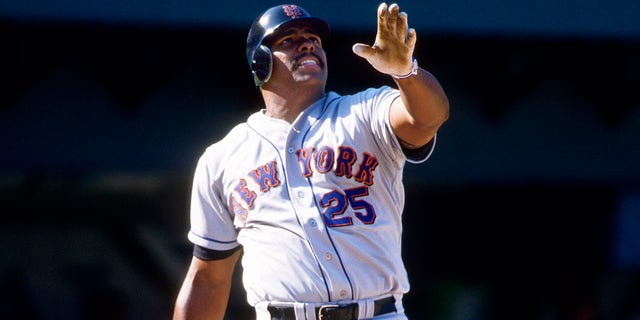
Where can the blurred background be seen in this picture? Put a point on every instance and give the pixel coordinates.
(529, 207)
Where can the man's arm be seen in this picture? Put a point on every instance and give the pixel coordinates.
(424, 106)
(205, 290)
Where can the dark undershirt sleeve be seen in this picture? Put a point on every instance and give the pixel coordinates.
(208, 254)
(418, 153)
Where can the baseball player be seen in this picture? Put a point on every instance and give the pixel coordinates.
(309, 189)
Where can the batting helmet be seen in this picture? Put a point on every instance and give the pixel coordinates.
(269, 23)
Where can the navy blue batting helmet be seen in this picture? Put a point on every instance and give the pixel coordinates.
(268, 24)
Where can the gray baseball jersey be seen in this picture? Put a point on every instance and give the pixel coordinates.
(317, 204)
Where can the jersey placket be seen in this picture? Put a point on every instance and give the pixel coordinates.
(310, 215)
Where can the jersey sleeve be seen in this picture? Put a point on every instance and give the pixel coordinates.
(212, 224)
(379, 101)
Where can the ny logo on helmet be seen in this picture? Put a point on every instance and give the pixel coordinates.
(292, 11)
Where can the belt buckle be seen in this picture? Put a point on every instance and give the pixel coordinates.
(325, 308)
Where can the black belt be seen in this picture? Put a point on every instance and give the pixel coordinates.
(335, 311)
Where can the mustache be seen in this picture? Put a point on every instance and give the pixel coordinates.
(308, 54)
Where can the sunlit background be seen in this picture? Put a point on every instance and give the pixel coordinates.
(529, 207)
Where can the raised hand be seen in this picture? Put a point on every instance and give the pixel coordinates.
(392, 52)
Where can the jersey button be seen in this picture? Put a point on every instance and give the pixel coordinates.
(300, 194)
(327, 256)
(313, 223)
(291, 150)
(343, 293)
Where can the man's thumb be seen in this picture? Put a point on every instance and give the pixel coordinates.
(362, 50)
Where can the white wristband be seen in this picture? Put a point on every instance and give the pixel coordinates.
(414, 71)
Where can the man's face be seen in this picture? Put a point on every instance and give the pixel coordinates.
(298, 56)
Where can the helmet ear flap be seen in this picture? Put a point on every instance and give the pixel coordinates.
(261, 65)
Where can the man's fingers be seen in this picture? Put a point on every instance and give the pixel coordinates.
(392, 22)
(382, 18)
(394, 44)
(411, 38)
(382, 13)
(392, 18)
(402, 25)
